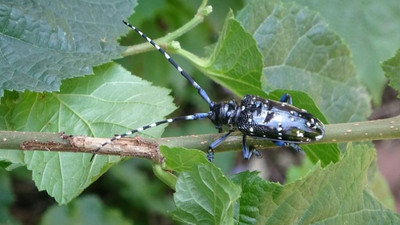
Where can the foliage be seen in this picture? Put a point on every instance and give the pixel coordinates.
(44, 42)
(370, 29)
(86, 210)
(391, 68)
(63, 66)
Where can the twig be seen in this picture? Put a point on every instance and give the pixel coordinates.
(148, 148)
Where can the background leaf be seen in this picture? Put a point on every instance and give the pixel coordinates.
(236, 63)
(9, 159)
(392, 71)
(44, 42)
(86, 210)
(336, 194)
(111, 101)
(371, 30)
(205, 196)
(301, 53)
(181, 159)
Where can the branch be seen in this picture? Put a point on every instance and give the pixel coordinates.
(203, 11)
(148, 148)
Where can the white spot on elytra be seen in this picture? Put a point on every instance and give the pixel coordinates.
(251, 129)
(299, 134)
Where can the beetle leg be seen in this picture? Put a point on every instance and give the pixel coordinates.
(294, 146)
(247, 152)
(286, 98)
(245, 149)
(256, 152)
(219, 128)
(214, 144)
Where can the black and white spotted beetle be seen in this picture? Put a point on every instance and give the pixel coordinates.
(280, 122)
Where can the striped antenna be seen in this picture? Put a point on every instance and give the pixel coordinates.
(195, 116)
(200, 90)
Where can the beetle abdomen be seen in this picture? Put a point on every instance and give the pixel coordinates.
(279, 121)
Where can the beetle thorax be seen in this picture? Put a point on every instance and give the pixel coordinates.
(224, 113)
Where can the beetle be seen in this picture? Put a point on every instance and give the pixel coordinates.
(278, 121)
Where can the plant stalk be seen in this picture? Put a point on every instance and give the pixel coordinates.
(148, 148)
(203, 11)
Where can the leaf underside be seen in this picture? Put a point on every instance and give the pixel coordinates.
(111, 101)
(301, 53)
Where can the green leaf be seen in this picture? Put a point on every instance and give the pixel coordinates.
(371, 30)
(87, 210)
(235, 63)
(205, 196)
(336, 194)
(110, 101)
(182, 159)
(301, 53)
(298, 171)
(392, 71)
(9, 159)
(44, 42)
